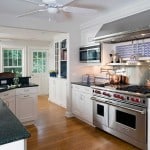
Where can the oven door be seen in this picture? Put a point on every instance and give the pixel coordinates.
(83, 56)
(129, 121)
(100, 114)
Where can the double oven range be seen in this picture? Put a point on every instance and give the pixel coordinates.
(122, 112)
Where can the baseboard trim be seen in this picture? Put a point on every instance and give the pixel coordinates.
(68, 114)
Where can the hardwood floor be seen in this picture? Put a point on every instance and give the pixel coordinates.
(53, 131)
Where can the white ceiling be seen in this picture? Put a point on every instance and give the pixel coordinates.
(9, 9)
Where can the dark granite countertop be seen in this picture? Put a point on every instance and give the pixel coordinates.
(11, 128)
(5, 87)
(82, 83)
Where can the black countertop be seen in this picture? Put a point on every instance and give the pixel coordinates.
(5, 87)
(11, 128)
(83, 83)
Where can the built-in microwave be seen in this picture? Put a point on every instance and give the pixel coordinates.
(90, 54)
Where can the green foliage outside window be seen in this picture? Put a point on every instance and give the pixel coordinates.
(12, 61)
(39, 62)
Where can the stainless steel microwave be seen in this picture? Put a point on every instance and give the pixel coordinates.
(91, 54)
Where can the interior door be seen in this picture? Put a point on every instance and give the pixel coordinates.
(39, 70)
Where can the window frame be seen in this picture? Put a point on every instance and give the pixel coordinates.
(46, 63)
(13, 48)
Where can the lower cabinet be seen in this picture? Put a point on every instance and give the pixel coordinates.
(82, 105)
(22, 102)
(58, 91)
(17, 145)
(26, 104)
(9, 98)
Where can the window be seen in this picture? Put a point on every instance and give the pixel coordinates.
(39, 62)
(12, 61)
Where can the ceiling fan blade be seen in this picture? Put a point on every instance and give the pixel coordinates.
(79, 10)
(64, 2)
(33, 2)
(31, 12)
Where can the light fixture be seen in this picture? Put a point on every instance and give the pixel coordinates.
(52, 10)
(49, 1)
(143, 34)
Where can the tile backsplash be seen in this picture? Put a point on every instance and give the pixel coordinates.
(140, 49)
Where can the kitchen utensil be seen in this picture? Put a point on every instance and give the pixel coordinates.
(124, 79)
(115, 58)
(115, 79)
(148, 83)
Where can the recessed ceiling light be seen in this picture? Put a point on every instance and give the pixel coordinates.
(143, 34)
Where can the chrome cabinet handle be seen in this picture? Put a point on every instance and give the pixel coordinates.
(26, 96)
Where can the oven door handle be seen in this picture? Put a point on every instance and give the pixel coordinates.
(95, 99)
(110, 103)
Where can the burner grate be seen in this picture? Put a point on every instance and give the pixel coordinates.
(136, 89)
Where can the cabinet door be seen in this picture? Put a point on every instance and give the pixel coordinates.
(76, 102)
(61, 92)
(87, 108)
(26, 107)
(9, 98)
(52, 89)
(11, 103)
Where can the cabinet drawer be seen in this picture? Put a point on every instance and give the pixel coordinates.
(25, 96)
(7, 94)
(26, 91)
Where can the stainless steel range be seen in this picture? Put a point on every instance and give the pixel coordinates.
(122, 112)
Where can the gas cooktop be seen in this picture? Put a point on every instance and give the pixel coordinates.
(136, 89)
(127, 87)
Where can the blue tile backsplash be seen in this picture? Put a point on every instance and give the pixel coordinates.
(141, 49)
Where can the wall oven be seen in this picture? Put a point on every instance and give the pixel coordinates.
(124, 120)
(90, 54)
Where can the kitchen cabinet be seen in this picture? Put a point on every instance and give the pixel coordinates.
(82, 105)
(61, 58)
(17, 145)
(58, 91)
(26, 104)
(9, 98)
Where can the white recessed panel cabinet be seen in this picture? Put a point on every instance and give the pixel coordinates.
(9, 98)
(82, 105)
(26, 104)
(58, 91)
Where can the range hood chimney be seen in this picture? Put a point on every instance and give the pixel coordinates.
(130, 28)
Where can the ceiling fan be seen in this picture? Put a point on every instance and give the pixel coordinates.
(57, 6)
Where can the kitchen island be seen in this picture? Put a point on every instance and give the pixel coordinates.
(22, 101)
(13, 135)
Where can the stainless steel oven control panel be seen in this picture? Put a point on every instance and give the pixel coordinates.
(125, 98)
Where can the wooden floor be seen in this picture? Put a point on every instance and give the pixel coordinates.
(52, 131)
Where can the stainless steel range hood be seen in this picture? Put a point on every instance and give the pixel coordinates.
(134, 27)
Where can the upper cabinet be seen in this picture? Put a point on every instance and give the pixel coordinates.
(88, 35)
(61, 58)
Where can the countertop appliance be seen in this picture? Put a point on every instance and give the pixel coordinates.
(88, 78)
(90, 54)
(122, 111)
